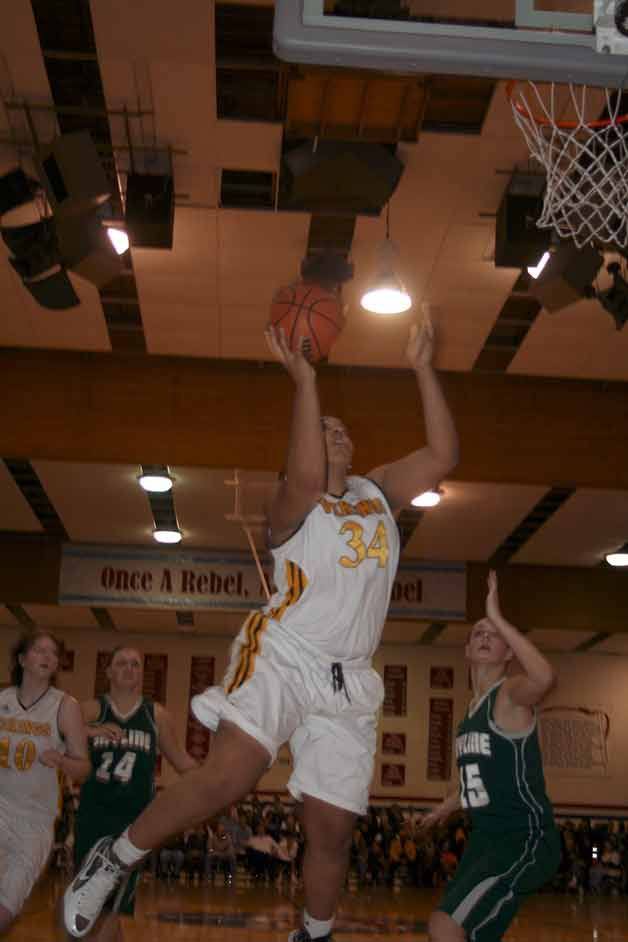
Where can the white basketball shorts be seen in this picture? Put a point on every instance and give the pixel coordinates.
(283, 692)
(25, 846)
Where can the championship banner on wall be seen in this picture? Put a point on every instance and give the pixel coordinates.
(157, 578)
(395, 690)
(155, 677)
(440, 739)
(393, 775)
(197, 735)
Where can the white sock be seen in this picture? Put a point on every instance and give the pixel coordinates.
(317, 927)
(126, 852)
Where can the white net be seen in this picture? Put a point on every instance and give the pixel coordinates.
(586, 163)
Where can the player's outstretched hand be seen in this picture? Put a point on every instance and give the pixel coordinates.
(294, 361)
(493, 610)
(430, 820)
(420, 348)
(110, 731)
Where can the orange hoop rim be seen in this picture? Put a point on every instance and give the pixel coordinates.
(544, 122)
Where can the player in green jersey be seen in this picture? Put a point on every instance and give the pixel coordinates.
(514, 846)
(125, 732)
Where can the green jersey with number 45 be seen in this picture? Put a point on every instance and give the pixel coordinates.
(501, 774)
(122, 779)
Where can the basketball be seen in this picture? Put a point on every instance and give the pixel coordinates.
(309, 311)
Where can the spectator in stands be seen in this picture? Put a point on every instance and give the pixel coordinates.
(611, 864)
(287, 851)
(273, 818)
(411, 854)
(395, 858)
(221, 855)
(359, 856)
(378, 864)
(448, 862)
(262, 853)
(172, 857)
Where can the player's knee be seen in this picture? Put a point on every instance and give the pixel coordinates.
(333, 841)
(226, 782)
(442, 928)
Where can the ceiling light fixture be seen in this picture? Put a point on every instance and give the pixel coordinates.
(119, 239)
(387, 294)
(167, 536)
(427, 499)
(155, 483)
(619, 557)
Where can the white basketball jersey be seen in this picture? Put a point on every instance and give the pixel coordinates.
(27, 786)
(334, 576)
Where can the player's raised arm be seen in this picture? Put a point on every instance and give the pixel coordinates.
(306, 466)
(528, 688)
(423, 469)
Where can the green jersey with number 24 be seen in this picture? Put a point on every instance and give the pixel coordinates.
(123, 771)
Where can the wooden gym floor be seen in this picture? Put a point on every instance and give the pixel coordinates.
(179, 913)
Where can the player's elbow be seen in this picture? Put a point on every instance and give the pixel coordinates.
(544, 681)
(447, 459)
(549, 680)
(441, 464)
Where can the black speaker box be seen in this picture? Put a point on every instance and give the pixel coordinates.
(566, 276)
(74, 177)
(34, 247)
(150, 210)
(518, 241)
(54, 292)
(15, 188)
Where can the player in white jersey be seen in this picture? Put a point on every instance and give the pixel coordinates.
(41, 733)
(300, 668)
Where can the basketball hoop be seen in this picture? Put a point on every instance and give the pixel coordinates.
(586, 162)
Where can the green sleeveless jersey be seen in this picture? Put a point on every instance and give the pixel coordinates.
(501, 774)
(122, 778)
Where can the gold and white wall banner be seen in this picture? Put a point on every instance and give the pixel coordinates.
(207, 579)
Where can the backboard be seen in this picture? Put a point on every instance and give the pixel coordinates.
(543, 40)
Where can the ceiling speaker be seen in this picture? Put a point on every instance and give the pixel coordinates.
(566, 277)
(74, 177)
(518, 240)
(150, 210)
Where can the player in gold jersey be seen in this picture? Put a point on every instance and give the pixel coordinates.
(301, 667)
(41, 733)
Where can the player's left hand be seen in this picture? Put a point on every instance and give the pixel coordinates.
(293, 360)
(51, 757)
(493, 611)
(420, 348)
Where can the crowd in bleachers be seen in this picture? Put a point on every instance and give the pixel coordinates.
(263, 840)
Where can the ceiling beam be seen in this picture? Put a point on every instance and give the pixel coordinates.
(574, 599)
(566, 597)
(116, 407)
